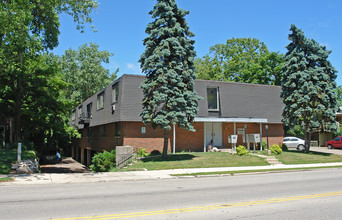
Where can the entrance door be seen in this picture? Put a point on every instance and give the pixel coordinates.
(214, 132)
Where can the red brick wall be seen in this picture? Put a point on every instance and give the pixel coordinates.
(153, 139)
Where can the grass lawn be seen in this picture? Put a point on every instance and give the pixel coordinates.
(197, 160)
(6, 179)
(7, 157)
(299, 157)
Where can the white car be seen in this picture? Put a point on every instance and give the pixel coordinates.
(294, 142)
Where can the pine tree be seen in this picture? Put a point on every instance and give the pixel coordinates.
(308, 86)
(168, 62)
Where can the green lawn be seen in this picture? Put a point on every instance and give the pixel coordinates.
(197, 160)
(7, 157)
(298, 157)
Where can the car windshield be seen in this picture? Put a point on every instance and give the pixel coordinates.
(337, 139)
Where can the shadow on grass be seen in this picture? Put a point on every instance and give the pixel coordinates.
(310, 153)
(173, 157)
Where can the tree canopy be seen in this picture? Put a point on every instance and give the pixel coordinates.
(308, 86)
(84, 72)
(241, 60)
(169, 96)
(27, 29)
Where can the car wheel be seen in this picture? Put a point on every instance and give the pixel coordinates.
(301, 147)
(330, 146)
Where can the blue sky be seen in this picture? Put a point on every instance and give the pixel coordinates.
(121, 26)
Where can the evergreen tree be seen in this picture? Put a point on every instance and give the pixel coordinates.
(308, 86)
(169, 96)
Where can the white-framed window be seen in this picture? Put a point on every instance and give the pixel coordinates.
(143, 130)
(213, 99)
(100, 101)
(115, 93)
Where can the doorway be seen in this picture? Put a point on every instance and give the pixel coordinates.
(214, 132)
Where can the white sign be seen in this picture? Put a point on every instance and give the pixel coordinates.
(232, 139)
(253, 138)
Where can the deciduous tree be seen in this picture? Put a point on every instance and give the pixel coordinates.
(169, 96)
(84, 72)
(241, 60)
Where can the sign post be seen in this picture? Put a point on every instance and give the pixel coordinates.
(19, 153)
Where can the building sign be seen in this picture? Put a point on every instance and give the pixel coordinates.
(241, 131)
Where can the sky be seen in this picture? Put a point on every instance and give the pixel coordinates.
(121, 27)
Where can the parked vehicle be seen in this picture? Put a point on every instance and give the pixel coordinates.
(294, 142)
(334, 143)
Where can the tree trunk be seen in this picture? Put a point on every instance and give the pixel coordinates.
(166, 140)
(307, 149)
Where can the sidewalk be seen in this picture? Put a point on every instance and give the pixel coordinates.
(56, 178)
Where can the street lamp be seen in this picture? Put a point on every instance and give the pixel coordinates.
(266, 126)
(245, 127)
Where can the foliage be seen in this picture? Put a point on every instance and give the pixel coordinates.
(308, 86)
(141, 152)
(169, 96)
(339, 96)
(27, 29)
(241, 150)
(275, 149)
(264, 145)
(296, 131)
(84, 72)
(103, 162)
(241, 60)
(155, 153)
(284, 147)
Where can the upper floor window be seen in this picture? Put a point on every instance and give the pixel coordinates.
(100, 101)
(80, 111)
(115, 93)
(89, 108)
(213, 99)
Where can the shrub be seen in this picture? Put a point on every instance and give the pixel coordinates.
(264, 145)
(275, 149)
(155, 153)
(284, 147)
(241, 150)
(103, 162)
(141, 152)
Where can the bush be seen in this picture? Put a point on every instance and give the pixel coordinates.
(141, 152)
(103, 162)
(284, 147)
(264, 145)
(155, 153)
(275, 149)
(241, 150)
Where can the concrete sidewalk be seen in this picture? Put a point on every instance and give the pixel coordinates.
(56, 178)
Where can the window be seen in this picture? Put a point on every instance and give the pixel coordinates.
(117, 131)
(143, 130)
(293, 139)
(90, 132)
(286, 139)
(337, 139)
(89, 107)
(212, 96)
(100, 101)
(80, 111)
(115, 93)
(102, 131)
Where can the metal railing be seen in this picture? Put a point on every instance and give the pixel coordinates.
(124, 159)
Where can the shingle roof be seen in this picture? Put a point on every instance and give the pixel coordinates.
(237, 100)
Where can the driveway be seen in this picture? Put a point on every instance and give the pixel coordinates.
(67, 165)
(326, 150)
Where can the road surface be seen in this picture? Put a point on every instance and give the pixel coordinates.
(314, 194)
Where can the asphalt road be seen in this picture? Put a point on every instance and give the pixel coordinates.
(310, 195)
